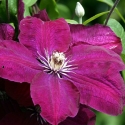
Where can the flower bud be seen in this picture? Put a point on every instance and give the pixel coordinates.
(79, 10)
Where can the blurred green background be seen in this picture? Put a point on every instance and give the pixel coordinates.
(92, 7)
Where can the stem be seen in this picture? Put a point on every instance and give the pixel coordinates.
(7, 11)
(80, 20)
(112, 9)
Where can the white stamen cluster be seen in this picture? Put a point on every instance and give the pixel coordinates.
(56, 63)
(57, 60)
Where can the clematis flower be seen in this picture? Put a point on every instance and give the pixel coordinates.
(62, 76)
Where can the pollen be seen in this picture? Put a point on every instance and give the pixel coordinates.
(57, 61)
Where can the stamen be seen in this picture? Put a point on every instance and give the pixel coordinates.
(57, 63)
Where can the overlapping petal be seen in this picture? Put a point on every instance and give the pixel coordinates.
(20, 14)
(84, 117)
(97, 78)
(98, 34)
(37, 35)
(58, 98)
(6, 32)
(18, 64)
(42, 15)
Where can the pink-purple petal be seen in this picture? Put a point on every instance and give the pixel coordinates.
(97, 78)
(42, 15)
(99, 94)
(6, 32)
(98, 34)
(57, 98)
(20, 14)
(17, 62)
(37, 35)
(95, 60)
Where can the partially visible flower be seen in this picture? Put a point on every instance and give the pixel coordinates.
(84, 117)
(62, 75)
(6, 32)
(42, 15)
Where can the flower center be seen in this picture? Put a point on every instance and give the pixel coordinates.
(57, 63)
(57, 60)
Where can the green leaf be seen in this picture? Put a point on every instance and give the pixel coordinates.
(118, 30)
(123, 72)
(94, 17)
(64, 11)
(71, 21)
(27, 10)
(123, 57)
(116, 27)
(110, 3)
(9, 16)
(29, 2)
(51, 8)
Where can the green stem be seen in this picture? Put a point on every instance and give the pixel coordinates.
(80, 20)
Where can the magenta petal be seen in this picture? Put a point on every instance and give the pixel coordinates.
(18, 64)
(98, 34)
(6, 32)
(57, 98)
(38, 35)
(42, 15)
(101, 94)
(20, 10)
(97, 78)
(84, 117)
(94, 60)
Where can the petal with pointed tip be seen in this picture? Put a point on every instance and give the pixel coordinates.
(37, 35)
(58, 98)
(42, 15)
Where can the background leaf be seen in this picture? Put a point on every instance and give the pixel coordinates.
(71, 21)
(94, 17)
(64, 11)
(118, 30)
(51, 8)
(29, 2)
(10, 16)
